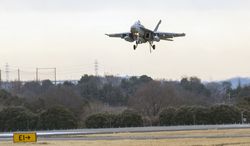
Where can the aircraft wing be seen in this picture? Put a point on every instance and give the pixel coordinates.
(147, 30)
(119, 35)
(167, 35)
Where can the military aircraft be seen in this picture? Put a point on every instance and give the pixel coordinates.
(140, 34)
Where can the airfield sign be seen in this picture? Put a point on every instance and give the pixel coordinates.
(24, 137)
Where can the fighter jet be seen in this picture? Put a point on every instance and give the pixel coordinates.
(139, 34)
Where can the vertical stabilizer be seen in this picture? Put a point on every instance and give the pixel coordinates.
(157, 26)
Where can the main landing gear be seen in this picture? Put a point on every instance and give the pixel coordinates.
(135, 46)
(150, 46)
(153, 46)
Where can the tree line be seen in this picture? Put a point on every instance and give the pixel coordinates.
(110, 97)
(19, 118)
(218, 114)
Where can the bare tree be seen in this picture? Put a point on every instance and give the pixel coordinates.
(152, 98)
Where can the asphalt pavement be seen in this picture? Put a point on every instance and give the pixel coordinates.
(66, 134)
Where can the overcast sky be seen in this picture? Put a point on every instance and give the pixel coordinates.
(69, 35)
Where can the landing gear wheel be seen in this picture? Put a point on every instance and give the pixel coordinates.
(153, 47)
(134, 47)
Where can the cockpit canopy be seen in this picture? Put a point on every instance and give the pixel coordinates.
(138, 23)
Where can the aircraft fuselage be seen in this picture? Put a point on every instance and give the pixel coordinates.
(138, 32)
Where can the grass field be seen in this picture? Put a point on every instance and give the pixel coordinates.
(236, 137)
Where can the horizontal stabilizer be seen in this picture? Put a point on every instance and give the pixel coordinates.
(167, 39)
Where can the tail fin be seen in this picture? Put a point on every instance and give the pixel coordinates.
(157, 26)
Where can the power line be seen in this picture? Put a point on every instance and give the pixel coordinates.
(37, 73)
(18, 73)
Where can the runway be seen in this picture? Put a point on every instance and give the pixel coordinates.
(82, 134)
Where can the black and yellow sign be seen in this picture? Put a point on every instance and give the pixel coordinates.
(24, 137)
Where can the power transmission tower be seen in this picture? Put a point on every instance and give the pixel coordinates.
(55, 75)
(18, 75)
(7, 71)
(37, 73)
(0, 78)
(96, 67)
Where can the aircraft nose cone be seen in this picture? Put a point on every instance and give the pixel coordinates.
(133, 29)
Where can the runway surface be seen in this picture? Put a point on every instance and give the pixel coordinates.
(81, 134)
